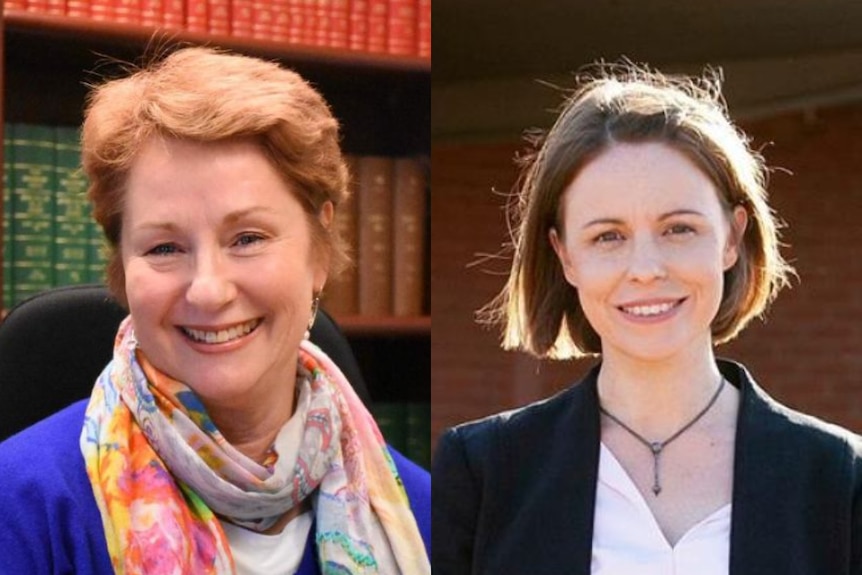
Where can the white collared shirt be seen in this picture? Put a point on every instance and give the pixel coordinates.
(627, 540)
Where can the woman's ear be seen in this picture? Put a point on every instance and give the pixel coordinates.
(327, 212)
(738, 224)
(559, 246)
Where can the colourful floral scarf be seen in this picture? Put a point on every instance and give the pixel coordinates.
(161, 471)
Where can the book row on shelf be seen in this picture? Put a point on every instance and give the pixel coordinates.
(400, 27)
(50, 238)
(386, 219)
(406, 426)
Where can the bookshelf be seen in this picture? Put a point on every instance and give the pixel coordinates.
(382, 101)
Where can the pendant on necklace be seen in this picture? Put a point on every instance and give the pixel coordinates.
(656, 447)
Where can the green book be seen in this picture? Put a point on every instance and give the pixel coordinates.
(391, 420)
(418, 448)
(97, 253)
(33, 186)
(8, 295)
(72, 220)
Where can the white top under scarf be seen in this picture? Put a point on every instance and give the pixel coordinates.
(627, 539)
(258, 554)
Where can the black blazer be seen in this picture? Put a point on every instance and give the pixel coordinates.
(515, 493)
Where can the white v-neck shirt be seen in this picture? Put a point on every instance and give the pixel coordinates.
(627, 539)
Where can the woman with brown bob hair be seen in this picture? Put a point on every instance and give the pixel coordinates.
(219, 439)
(643, 235)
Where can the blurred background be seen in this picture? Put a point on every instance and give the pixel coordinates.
(793, 82)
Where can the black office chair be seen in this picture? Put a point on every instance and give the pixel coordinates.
(55, 344)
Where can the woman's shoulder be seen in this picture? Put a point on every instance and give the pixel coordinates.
(539, 418)
(417, 484)
(777, 428)
(52, 442)
(48, 514)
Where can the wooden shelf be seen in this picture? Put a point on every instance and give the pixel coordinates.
(49, 61)
(90, 31)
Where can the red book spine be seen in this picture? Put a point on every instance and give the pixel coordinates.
(56, 7)
(40, 6)
(127, 11)
(218, 21)
(197, 15)
(339, 24)
(76, 8)
(377, 19)
(152, 13)
(261, 19)
(296, 21)
(16, 5)
(101, 9)
(241, 12)
(424, 29)
(401, 29)
(358, 38)
(324, 22)
(309, 22)
(281, 20)
(174, 16)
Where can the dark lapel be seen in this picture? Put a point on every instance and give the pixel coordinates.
(584, 471)
(784, 490)
(540, 517)
(557, 486)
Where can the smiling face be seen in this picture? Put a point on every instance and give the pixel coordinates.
(645, 242)
(219, 266)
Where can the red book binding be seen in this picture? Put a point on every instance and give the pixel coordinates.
(358, 29)
(174, 14)
(339, 24)
(378, 17)
(197, 16)
(241, 18)
(402, 32)
(218, 17)
(424, 28)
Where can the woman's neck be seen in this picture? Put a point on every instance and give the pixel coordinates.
(656, 398)
(251, 424)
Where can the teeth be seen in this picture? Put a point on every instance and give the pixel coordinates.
(223, 335)
(648, 310)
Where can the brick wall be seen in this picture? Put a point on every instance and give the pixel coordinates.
(808, 352)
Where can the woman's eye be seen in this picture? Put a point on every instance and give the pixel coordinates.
(680, 229)
(606, 237)
(248, 239)
(163, 250)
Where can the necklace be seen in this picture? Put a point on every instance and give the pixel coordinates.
(656, 447)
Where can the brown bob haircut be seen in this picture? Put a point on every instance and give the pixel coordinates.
(623, 103)
(203, 95)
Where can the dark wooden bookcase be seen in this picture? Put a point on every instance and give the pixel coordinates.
(382, 101)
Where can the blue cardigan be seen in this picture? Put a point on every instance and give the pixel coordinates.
(49, 521)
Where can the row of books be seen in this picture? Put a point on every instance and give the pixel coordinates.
(406, 427)
(49, 236)
(401, 27)
(387, 220)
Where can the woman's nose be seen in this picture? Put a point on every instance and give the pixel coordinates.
(211, 286)
(647, 262)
